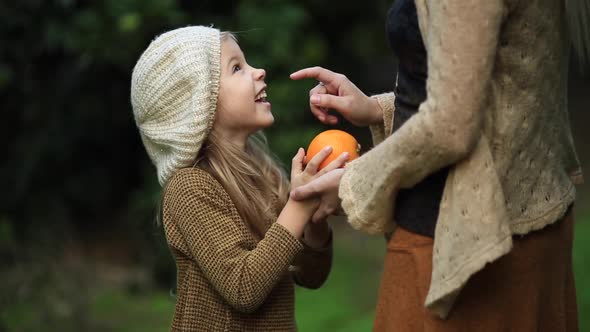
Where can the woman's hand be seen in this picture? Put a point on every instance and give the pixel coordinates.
(337, 92)
(324, 186)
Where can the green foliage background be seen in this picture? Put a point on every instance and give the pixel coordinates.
(79, 248)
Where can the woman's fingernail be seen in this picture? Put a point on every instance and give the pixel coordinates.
(345, 155)
(328, 148)
(315, 99)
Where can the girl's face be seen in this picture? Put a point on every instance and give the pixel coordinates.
(242, 108)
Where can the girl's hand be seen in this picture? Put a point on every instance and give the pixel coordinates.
(337, 92)
(296, 214)
(301, 176)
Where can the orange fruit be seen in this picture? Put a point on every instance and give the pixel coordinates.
(339, 140)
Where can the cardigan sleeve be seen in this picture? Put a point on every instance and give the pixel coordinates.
(216, 237)
(461, 39)
(312, 266)
(380, 131)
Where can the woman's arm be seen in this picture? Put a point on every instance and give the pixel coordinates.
(461, 41)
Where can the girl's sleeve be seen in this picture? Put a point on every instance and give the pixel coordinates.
(205, 217)
(312, 266)
(461, 39)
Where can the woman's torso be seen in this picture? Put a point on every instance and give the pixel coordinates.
(526, 118)
(416, 208)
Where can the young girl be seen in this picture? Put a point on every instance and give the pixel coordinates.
(199, 107)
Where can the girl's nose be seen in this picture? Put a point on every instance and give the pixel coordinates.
(259, 74)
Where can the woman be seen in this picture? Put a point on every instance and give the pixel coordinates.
(480, 167)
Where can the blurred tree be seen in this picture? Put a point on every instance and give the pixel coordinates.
(74, 157)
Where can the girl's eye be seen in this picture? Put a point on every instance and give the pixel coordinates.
(235, 68)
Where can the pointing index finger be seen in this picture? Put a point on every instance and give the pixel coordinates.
(321, 74)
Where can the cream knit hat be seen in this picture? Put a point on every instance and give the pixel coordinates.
(174, 88)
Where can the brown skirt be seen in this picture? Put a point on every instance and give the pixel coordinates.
(529, 289)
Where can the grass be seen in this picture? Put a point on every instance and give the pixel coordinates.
(345, 303)
(118, 312)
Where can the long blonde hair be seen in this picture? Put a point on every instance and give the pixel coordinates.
(253, 178)
(578, 17)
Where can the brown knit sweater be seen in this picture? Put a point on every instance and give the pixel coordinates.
(226, 279)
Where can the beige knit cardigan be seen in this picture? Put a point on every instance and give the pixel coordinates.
(227, 279)
(496, 109)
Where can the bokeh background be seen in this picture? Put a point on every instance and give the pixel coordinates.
(79, 246)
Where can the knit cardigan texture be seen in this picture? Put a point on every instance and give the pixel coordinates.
(227, 280)
(496, 110)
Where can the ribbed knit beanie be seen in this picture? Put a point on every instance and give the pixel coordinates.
(174, 88)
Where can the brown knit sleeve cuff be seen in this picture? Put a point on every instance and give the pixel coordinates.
(327, 247)
(311, 267)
